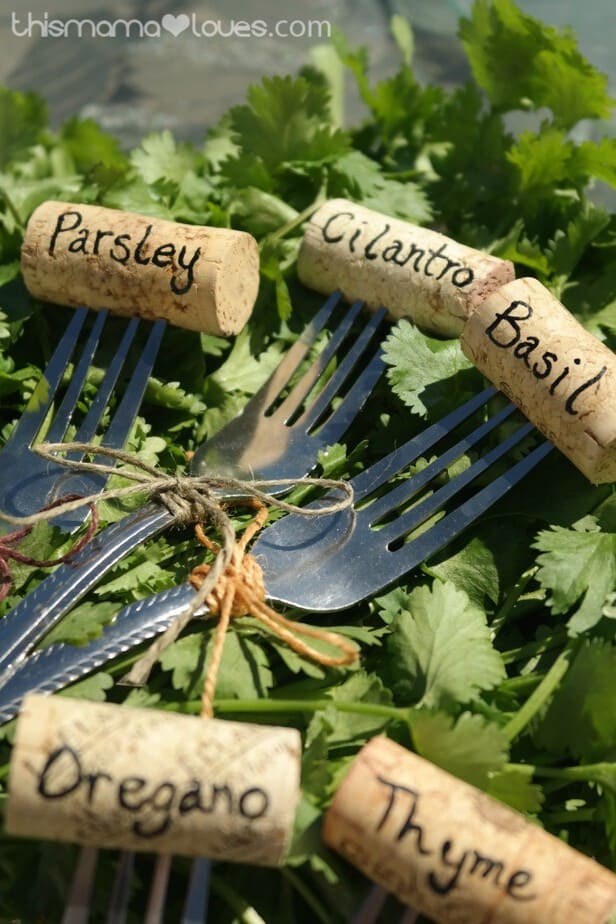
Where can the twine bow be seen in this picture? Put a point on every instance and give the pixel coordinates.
(240, 591)
(233, 584)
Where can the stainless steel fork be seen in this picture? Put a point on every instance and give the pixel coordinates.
(29, 482)
(267, 440)
(322, 564)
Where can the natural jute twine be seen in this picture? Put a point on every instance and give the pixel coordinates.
(232, 585)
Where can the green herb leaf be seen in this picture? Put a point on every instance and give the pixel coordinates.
(440, 649)
(430, 376)
(577, 564)
(471, 748)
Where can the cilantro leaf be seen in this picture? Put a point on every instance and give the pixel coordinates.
(581, 719)
(440, 649)
(430, 376)
(473, 570)
(285, 120)
(470, 748)
(521, 63)
(160, 157)
(23, 117)
(513, 786)
(343, 728)
(577, 565)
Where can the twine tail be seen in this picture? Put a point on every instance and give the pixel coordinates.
(209, 687)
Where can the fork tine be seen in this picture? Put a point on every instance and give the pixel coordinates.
(412, 486)
(63, 415)
(43, 395)
(312, 414)
(380, 472)
(156, 901)
(295, 354)
(88, 428)
(120, 893)
(434, 502)
(429, 542)
(77, 909)
(196, 904)
(354, 399)
(125, 414)
(371, 907)
(297, 394)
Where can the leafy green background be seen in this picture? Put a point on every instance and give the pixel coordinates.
(497, 659)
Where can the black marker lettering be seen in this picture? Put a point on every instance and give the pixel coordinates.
(547, 359)
(444, 888)
(260, 801)
(65, 762)
(509, 317)
(369, 253)
(78, 244)
(519, 880)
(557, 381)
(141, 245)
(119, 242)
(325, 229)
(468, 277)
(181, 290)
(62, 229)
(523, 350)
(131, 786)
(582, 388)
(99, 236)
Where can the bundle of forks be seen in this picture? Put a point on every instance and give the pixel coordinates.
(393, 526)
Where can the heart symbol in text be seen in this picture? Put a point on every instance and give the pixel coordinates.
(175, 24)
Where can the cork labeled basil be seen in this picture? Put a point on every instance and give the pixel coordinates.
(563, 379)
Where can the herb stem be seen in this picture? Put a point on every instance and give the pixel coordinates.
(531, 649)
(582, 773)
(511, 599)
(316, 906)
(295, 222)
(540, 696)
(393, 713)
(12, 209)
(521, 683)
(246, 914)
(566, 818)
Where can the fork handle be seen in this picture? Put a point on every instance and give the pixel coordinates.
(35, 615)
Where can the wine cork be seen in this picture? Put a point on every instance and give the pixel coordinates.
(141, 779)
(204, 279)
(454, 853)
(414, 272)
(559, 375)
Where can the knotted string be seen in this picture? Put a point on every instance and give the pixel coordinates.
(188, 498)
(8, 553)
(193, 499)
(240, 591)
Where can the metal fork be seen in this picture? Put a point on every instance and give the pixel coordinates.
(321, 564)
(28, 482)
(265, 441)
(392, 529)
(281, 442)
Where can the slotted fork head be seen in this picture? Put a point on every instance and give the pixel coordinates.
(333, 562)
(271, 440)
(28, 482)
(296, 430)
